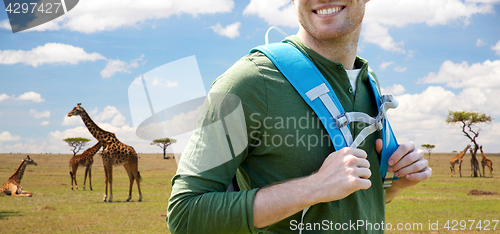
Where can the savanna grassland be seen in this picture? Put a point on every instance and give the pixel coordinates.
(55, 208)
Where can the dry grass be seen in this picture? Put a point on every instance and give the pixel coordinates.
(55, 208)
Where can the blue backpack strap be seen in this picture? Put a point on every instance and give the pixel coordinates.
(388, 138)
(314, 90)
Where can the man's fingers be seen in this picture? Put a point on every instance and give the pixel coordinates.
(407, 160)
(412, 168)
(402, 150)
(421, 175)
(364, 173)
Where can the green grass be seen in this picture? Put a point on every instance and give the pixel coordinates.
(55, 208)
(443, 198)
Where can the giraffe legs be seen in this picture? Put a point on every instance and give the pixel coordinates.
(88, 170)
(72, 173)
(108, 171)
(133, 174)
(17, 191)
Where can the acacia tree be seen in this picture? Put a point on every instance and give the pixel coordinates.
(164, 143)
(468, 120)
(429, 148)
(77, 143)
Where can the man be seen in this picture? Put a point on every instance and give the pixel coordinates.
(290, 163)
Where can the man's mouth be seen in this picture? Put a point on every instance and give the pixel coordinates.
(327, 11)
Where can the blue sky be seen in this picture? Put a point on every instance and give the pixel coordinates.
(434, 55)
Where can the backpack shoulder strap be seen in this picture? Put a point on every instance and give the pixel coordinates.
(315, 91)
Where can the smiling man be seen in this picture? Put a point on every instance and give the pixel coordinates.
(290, 177)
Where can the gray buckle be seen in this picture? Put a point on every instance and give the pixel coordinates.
(341, 120)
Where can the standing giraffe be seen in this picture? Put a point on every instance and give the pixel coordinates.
(458, 160)
(85, 159)
(486, 162)
(114, 153)
(13, 185)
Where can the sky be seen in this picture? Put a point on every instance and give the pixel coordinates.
(433, 55)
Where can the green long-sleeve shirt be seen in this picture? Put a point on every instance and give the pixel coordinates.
(280, 139)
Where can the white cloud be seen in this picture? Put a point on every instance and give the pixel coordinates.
(384, 65)
(116, 65)
(383, 14)
(111, 113)
(377, 34)
(39, 115)
(276, 12)
(6, 136)
(485, 75)
(480, 42)
(31, 96)
(61, 54)
(5, 24)
(93, 16)
(4, 96)
(484, 1)
(50, 53)
(164, 83)
(395, 89)
(421, 117)
(496, 48)
(71, 121)
(45, 123)
(400, 69)
(231, 31)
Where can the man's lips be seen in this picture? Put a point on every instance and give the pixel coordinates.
(328, 10)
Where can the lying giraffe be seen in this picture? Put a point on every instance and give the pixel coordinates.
(458, 160)
(85, 159)
(486, 162)
(114, 153)
(13, 185)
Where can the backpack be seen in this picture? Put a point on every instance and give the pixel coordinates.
(319, 95)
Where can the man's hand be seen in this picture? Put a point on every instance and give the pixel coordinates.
(343, 172)
(409, 164)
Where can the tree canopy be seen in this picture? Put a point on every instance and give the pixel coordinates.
(164, 143)
(77, 143)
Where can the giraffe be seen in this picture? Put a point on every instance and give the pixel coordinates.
(85, 159)
(486, 162)
(114, 153)
(458, 160)
(13, 185)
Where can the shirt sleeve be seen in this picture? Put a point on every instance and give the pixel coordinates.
(200, 202)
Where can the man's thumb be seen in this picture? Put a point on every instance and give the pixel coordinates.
(378, 145)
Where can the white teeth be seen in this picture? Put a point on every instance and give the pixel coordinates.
(329, 10)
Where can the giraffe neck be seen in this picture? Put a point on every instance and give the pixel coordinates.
(482, 154)
(18, 175)
(92, 150)
(463, 152)
(94, 129)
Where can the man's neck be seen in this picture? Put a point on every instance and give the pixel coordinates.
(340, 50)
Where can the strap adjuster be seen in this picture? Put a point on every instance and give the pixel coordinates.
(341, 120)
